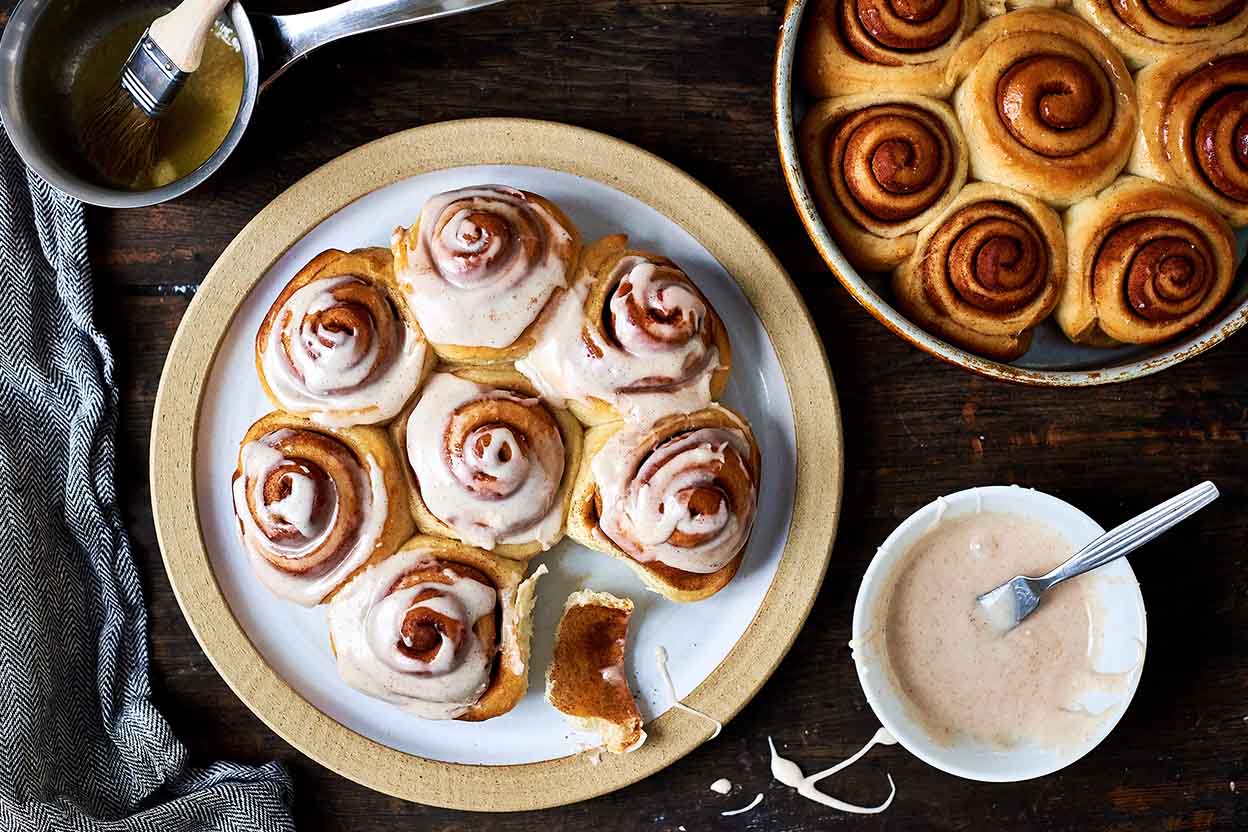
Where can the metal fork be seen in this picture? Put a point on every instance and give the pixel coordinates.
(1007, 605)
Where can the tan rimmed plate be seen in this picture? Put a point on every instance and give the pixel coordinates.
(190, 396)
(1052, 360)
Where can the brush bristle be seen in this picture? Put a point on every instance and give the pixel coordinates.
(120, 139)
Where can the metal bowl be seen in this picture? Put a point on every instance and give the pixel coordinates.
(1053, 360)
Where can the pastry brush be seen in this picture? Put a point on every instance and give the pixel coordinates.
(121, 134)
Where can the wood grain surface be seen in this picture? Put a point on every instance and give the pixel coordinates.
(690, 82)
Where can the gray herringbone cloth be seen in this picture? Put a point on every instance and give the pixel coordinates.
(81, 745)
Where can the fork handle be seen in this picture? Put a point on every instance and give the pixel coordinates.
(1131, 535)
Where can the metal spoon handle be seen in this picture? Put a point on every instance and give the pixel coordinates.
(286, 38)
(1133, 534)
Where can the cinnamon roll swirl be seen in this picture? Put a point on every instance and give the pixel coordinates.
(1147, 263)
(881, 165)
(339, 344)
(986, 271)
(1148, 30)
(314, 504)
(437, 628)
(479, 266)
(900, 46)
(676, 501)
(1194, 125)
(634, 339)
(1046, 104)
(488, 463)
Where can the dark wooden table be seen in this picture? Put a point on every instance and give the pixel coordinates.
(690, 82)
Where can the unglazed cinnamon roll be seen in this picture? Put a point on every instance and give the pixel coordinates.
(479, 266)
(986, 271)
(585, 681)
(314, 504)
(1147, 262)
(881, 165)
(339, 344)
(1194, 125)
(1046, 104)
(488, 463)
(851, 46)
(634, 339)
(675, 501)
(438, 628)
(1147, 30)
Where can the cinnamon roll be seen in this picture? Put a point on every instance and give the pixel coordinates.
(339, 345)
(881, 165)
(585, 681)
(1194, 125)
(1148, 30)
(1147, 262)
(1046, 104)
(986, 271)
(314, 504)
(437, 628)
(675, 501)
(479, 266)
(851, 46)
(634, 339)
(488, 463)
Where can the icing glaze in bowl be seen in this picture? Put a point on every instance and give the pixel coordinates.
(1120, 650)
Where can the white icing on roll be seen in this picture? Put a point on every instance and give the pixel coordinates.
(494, 484)
(660, 361)
(366, 623)
(301, 523)
(358, 370)
(646, 497)
(481, 264)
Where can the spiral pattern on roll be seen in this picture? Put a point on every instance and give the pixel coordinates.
(1055, 105)
(1206, 127)
(876, 29)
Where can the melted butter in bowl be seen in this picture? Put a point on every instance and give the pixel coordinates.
(956, 691)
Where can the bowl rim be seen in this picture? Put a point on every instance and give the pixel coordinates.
(910, 735)
(1213, 331)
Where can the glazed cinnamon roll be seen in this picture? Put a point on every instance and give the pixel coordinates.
(1194, 125)
(881, 165)
(339, 345)
(488, 463)
(1147, 262)
(676, 501)
(479, 266)
(634, 339)
(1148, 30)
(314, 504)
(1046, 104)
(986, 271)
(851, 46)
(586, 679)
(437, 628)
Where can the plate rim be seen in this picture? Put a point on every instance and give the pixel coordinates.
(1212, 332)
(333, 186)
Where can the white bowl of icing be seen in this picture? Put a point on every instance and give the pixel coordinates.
(1119, 650)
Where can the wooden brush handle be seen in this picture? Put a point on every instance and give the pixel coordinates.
(181, 33)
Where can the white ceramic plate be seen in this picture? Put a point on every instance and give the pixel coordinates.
(294, 641)
(1121, 651)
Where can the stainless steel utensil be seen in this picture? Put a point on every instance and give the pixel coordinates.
(44, 42)
(1017, 598)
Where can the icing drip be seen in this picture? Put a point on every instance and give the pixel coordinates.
(489, 463)
(405, 631)
(326, 521)
(758, 798)
(339, 352)
(660, 655)
(790, 774)
(722, 786)
(651, 354)
(688, 502)
(481, 263)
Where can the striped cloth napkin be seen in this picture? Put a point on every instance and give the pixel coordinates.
(81, 745)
